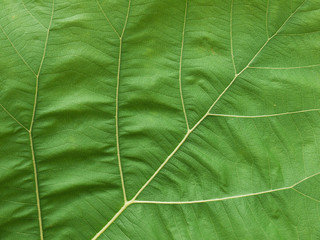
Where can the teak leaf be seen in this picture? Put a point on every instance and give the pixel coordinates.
(160, 119)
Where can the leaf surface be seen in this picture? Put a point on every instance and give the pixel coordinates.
(156, 119)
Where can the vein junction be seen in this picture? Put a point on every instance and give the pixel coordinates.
(127, 203)
(189, 131)
(29, 130)
(233, 197)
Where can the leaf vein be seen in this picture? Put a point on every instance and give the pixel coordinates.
(180, 67)
(263, 116)
(231, 197)
(13, 118)
(16, 50)
(106, 17)
(133, 200)
(31, 127)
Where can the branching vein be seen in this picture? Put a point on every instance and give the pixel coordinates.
(126, 202)
(117, 107)
(236, 196)
(13, 117)
(32, 123)
(213, 199)
(263, 116)
(305, 195)
(105, 15)
(280, 68)
(25, 7)
(133, 200)
(22, 58)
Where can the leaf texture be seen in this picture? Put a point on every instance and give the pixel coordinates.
(148, 119)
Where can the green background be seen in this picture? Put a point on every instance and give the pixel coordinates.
(73, 73)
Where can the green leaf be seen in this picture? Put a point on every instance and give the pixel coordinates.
(149, 119)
